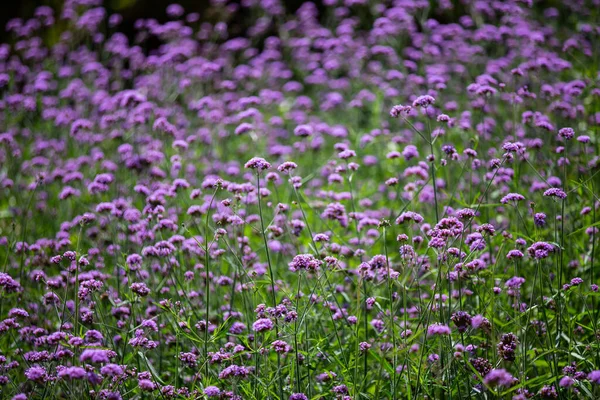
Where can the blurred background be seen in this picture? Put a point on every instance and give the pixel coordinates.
(130, 10)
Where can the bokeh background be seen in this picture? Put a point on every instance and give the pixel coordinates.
(130, 10)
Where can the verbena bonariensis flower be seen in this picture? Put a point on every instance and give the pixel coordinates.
(257, 163)
(499, 377)
(139, 232)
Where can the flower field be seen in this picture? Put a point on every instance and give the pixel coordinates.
(356, 199)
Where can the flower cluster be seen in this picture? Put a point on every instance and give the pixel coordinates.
(263, 200)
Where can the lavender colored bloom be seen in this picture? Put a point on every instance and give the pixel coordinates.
(287, 167)
(36, 374)
(212, 391)
(364, 346)
(257, 163)
(146, 385)
(298, 396)
(514, 253)
(566, 133)
(507, 346)
(262, 325)
(512, 197)
(555, 192)
(234, 371)
(594, 377)
(140, 289)
(95, 356)
(498, 377)
(462, 320)
(423, 101)
(111, 370)
(72, 373)
(399, 110)
(539, 219)
(566, 381)
(540, 250)
(438, 329)
(304, 262)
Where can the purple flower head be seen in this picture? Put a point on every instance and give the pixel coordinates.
(257, 163)
(540, 250)
(303, 130)
(512, 197)
(462, 320)
(212, 391)
(96, 356)
(399, 110)
(507, 346)
(287, 167)
(555, 192)
(140, 289)
(111, 370)
(304, 262)
(262, 325)
(71, 373)
(594, 377)
(423, 101)
(36, 374)
(438, 329)
(234, 371)
(539, 219)
(566, 133)
(498, 377)
(298, 396)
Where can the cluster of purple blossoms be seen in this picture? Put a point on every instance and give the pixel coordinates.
(499, 377)
(507, 346)
(135, 241)
(262, 325)
(438, 329)
(540, 250)
(306, 262)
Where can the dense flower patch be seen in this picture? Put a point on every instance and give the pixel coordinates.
(384, 200)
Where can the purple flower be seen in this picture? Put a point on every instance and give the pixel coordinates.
(212, 391)
(539, 219)
(111, 370)
(146, 385)
(364, 346)
(566, 133)
(96, 356)
(512, 197)
(438, 329)
(71, 373)
(303, 130)
(566, 381)
(462, 320)
(540, 250)
(514, 253)
(257, 163)
(234, 371)
(399, 110)
(281, 347)
(423, 101)
(583, 139)
(555, 192)
(594, 377)
(36, 374)
(507, 346)
(140, 289)
(262, 325)
(298, 396)
(305, 262)
(287, 167)
(498, 377)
